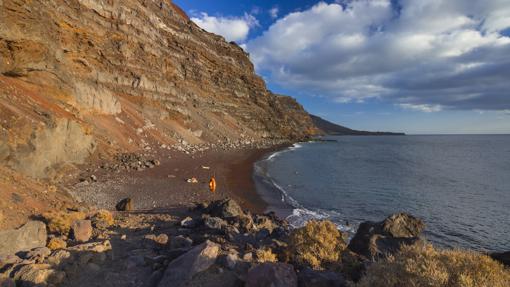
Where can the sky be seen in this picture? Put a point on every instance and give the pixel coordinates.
(416, 66)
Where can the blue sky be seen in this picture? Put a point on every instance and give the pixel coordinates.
(425, 67)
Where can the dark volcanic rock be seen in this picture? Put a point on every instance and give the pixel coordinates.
(402, 225)
(214, 222)
(314, 278)
(272, 274)
(125, 205)
(375, 239)
(186, 266)
(227, 208)
(503, 257)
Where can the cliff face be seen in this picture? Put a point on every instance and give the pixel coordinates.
(83, 76)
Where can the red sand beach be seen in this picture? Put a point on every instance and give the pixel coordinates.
(165, 186)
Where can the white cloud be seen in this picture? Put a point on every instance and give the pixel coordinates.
(422, 108)
(232, 28)
(273, 12)
(426, 55)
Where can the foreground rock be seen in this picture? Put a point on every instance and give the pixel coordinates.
(186, 266)
(314, 278)
(503, 257)
(227, 208)
(272, 274)
(82, 230)
(220, 245)
(29, 236)
(377, 239)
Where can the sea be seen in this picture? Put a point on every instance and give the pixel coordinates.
(458, 184)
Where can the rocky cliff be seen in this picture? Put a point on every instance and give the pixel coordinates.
(82, 77)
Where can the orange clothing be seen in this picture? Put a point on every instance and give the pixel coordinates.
(212, 184)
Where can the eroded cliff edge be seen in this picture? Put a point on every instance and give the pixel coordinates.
(83, 79)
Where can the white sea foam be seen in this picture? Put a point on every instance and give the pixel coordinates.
(293, 147)
(300, 215)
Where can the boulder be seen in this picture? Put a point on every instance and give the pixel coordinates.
(97, 247)
(272, 274)
(81, 230)
(231, 260)
(182, 269)
(503, 257)
(29, 236)
(58, 257)
(377, 239)
(9, 260)
(216, 277)
(7, 282)
(155, 241)
(245, 223)
(38, 254)
(227, 208)
(402, 225)
(214, 222)
(316, 278)
(34, 275)
(125, 205)
(180, 242)
(189, 222)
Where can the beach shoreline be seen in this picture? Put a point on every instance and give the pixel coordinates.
(166, 186)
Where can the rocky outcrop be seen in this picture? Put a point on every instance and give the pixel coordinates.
(377, 239)
(43, 148)
(29, 236)
(272, 274)
(503, 257)
(152, 249)
(114, 76)
(316, 278)
(186, 266)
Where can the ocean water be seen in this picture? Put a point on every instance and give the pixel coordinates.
(458, 184)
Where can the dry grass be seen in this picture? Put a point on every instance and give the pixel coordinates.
(59, 222)
(103, 219)
(265, 255)
(56, 244)
(318, 244)
(422, 265)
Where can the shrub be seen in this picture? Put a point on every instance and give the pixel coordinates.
(265, 255)
(318, 244)
(56, 244)
(422, 265)
(103, 219)
(59, 222)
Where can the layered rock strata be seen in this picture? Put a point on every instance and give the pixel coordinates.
(86, 76)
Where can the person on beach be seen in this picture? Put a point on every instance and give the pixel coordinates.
(212, 184)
